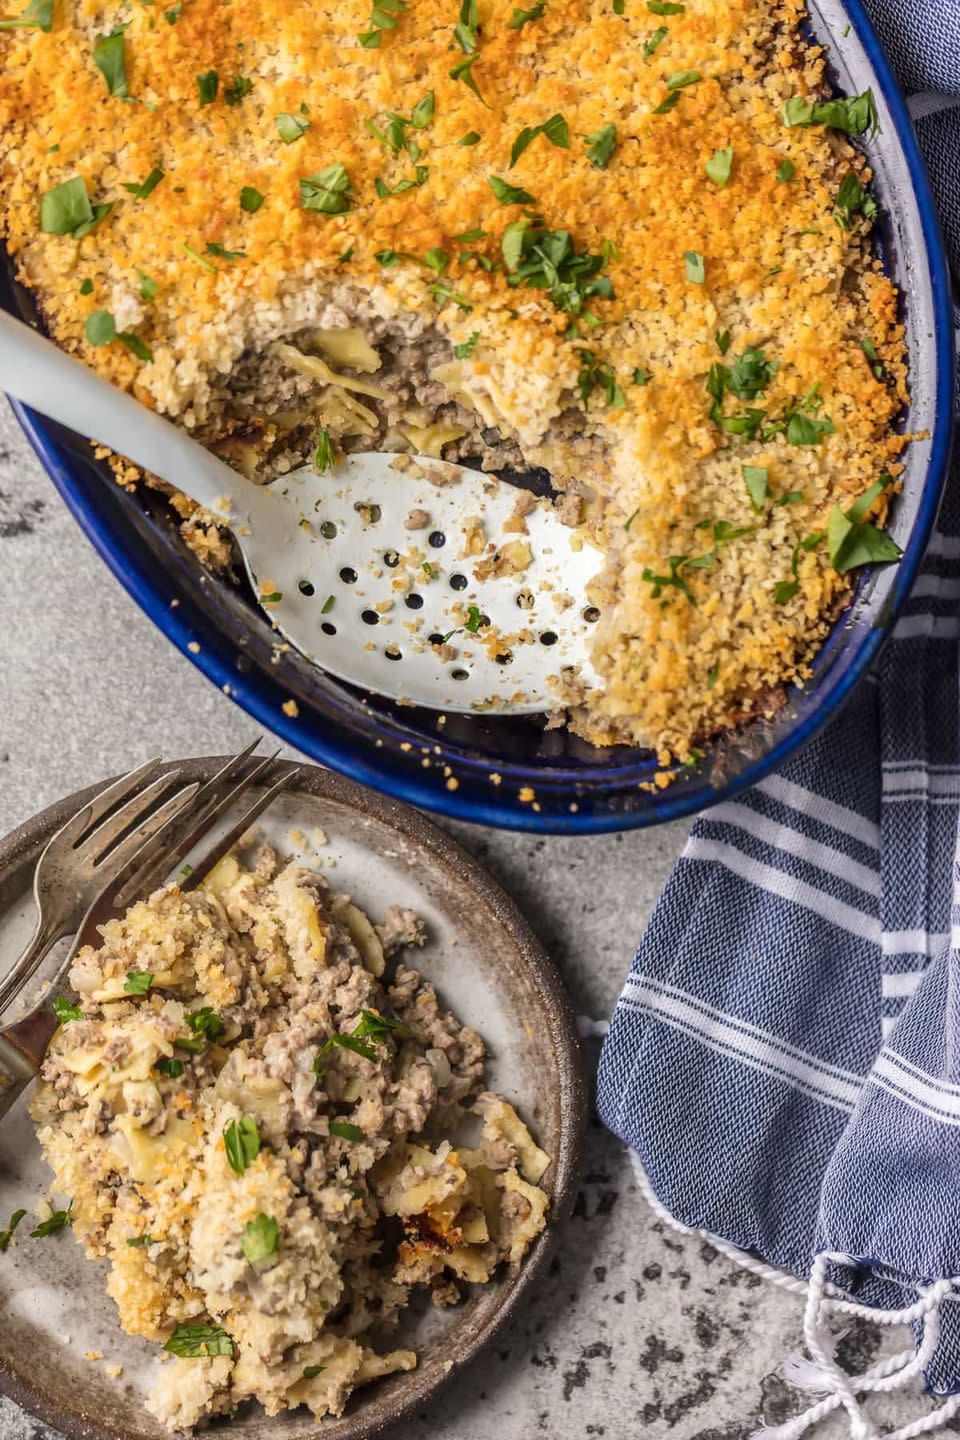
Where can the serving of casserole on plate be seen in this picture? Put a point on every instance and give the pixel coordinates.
(624, 243)
(261, 1112)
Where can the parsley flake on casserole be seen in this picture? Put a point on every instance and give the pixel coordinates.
(254, 1111)
(622, 240)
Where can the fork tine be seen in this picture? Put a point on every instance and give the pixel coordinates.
(79, 824)
(106, 869)
(168, 850)
(235, 833)
(96, 846)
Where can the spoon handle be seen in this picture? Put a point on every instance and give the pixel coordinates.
(37, 372)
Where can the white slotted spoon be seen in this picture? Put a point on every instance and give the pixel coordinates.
(443, 615)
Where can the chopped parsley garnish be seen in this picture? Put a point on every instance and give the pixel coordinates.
(719, 166)
(549, 260)
(383, 16)
(601, 145)
(677, 564)
(419, 177)
(324, 456)
(250, 199)
(682, 78)
(696, 269)
(641, 376)
(784, 590)
(241, 1141)
(291, 127)
(148, 287)
(423, 112)
(807, 429)
(207, 86)
(100, 328)
(471, 138)
(519, 18)
(195, 1342)
(437, 260)
(173, 14)
(712, 674)
(556, 130)
(108, 57)
(260, 1237)
(171, 1067)
(786, 171)
(215, 248)
(464, 71)
(746, 378)
(667, 103)
(656, 39)
(854, 115)
(665, 7)
(37, 16)
(146, 1239)
(464, 351)
(328, 191)
(345, 1130)
(474, 620)
(466, 31)
(756, 479)
(853, 540)
(327, 605)
(791, 497)
(7, 1235)
(722, 339)
(509, 194)
(377, 1025)
(310, 1372)
(66, 209)
(65, 1011)
(234, 93)
(853, 199)
(272, 598)
(138, 982)
(205, 1021)
(353, 1043)
(59, 1220)
(597, 373)
(200, 259)
(147, 187)
(135, 345)
(86, 286)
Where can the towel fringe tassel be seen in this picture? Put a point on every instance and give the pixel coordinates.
(819, 1370)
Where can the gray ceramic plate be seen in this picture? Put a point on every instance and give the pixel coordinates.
(487, 965)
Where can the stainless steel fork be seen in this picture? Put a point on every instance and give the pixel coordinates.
(24, 1043)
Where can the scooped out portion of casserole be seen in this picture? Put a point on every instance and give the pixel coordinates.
(624, 242)
(269, 1126)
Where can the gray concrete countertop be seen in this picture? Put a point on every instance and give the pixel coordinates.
(638, 1331)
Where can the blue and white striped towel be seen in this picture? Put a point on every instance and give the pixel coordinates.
(784, 1060)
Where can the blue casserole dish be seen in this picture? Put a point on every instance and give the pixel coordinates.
(514, 772)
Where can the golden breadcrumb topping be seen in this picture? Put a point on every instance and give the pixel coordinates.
(634, 212)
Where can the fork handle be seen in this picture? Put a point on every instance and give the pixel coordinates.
(22, 1048)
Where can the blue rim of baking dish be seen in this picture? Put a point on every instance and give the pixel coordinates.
(485, 788)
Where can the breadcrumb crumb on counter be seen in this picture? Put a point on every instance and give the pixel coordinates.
(627, 249)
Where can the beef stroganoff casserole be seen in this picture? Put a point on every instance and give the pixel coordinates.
(627, 242)
(260, 1113)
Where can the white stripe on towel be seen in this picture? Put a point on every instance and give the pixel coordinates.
(808, 802)
(777, 882)
(794, 842)
(715, 1035)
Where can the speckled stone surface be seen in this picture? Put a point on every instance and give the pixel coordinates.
(638, 1331)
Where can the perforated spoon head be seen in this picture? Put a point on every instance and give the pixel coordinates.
(423, 580)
